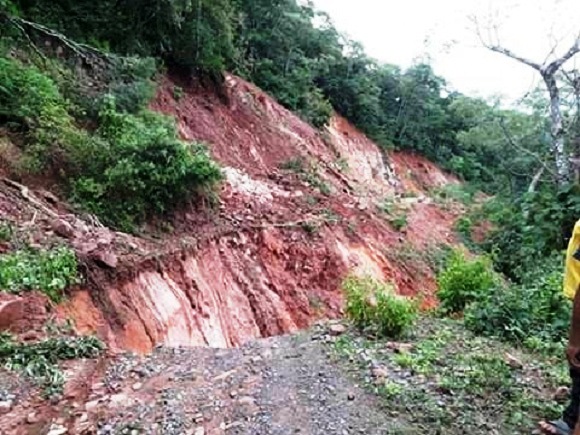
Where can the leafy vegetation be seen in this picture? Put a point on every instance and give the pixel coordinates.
(49, 271)
(6, 231)
(463, 281)
(39, 360)
(534, 314)
(145, 171)
(396, 215)
(130, 168)
(308, 172)
(375, 307)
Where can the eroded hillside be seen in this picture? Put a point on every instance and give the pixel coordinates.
(298, 210)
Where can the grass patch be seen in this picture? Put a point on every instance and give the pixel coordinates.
(450, 381)
(49, 271)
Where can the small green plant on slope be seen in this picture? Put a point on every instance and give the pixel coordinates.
(308, 173)
(396, 216)
(6, 231)
(463, 281)
(39, 360)
(177, 93)
(48, 271)
(375, 307)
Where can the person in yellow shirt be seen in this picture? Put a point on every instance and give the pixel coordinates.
(569, 420)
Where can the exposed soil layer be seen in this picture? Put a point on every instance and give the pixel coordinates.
(297, 213)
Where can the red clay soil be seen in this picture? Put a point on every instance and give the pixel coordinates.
(271, 257)
(419, 175)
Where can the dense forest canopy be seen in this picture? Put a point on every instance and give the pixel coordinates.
(295, 53)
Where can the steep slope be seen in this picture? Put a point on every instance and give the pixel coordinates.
(297, 212)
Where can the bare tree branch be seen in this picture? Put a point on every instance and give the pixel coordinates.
(553, 67)
(511, 54)
(536, 180)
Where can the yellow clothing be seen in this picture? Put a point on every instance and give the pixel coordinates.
(572, 273)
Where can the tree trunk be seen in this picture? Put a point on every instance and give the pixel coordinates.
(558, 149)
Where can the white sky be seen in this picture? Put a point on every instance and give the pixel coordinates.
(400, 31)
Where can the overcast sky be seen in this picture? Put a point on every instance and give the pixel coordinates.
(400, 31)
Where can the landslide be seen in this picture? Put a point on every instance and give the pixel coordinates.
(298, 211)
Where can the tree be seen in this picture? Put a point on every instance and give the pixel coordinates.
(549, 73)
(195, 34)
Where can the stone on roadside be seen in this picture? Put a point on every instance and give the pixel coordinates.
(336, 329)
(5, 406)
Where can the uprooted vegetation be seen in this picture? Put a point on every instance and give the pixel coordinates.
(39, 360)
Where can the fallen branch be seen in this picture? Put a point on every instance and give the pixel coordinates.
(26, 194)
(85, 52)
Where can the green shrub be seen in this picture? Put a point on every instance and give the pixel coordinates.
(396, 215)
(463, 281)
(531, 228)
(177, 93)
(39, 360)
(374, 306)
(296, 164)
(49, 271)
(31, 101)
(145, 171)
(464, 226)
(315, 109)
(534, 313)
(26, 95)
(308, 172)
(399, 222)
(463, 193)
(130, 83)
(131, 168)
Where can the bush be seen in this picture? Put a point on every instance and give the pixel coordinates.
(374, 306)
(48, 271)
(131, 168)
(315, 109)
(533, 227)
(129, 80)
(32, 102)
(534, 313)
(6, 231)
(26, 95)
(145, 171)
(463, 281)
